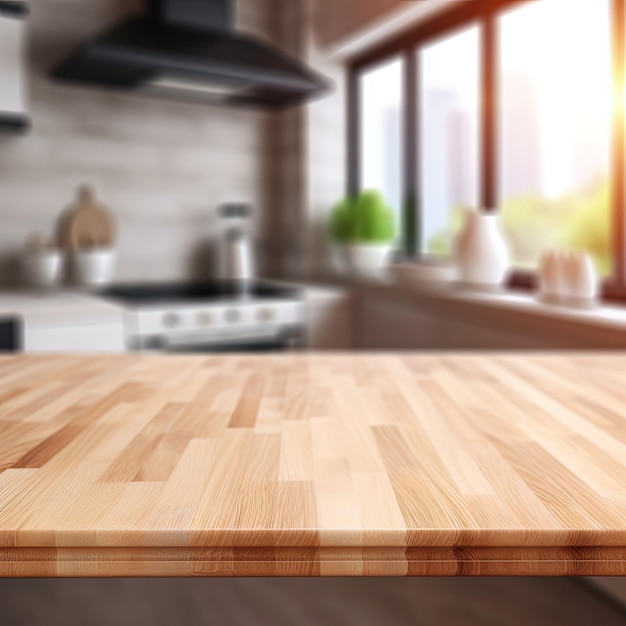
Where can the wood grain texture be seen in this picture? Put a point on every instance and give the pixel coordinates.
(313, 465)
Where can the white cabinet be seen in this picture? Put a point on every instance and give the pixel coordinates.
(330, 318)
(66, 322)
(105, 338)
(12, 72)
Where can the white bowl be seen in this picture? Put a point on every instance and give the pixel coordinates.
(42, 268)
(94, 267)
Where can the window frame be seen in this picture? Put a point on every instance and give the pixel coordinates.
(483, 13)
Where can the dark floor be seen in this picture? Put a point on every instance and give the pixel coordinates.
(305, 602)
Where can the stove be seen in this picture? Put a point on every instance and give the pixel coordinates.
(211, 316)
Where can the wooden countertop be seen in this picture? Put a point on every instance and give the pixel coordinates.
(313, 465)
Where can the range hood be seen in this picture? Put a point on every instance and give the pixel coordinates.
(188, 50)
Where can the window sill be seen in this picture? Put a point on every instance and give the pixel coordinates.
(604, 316)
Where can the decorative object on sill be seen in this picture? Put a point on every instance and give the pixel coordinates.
(362, 229)
(480, 251)
(424, 273)
(568, 279)
(13, 116)
(41, 262)
(88, 232)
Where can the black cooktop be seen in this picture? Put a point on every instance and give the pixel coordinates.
(155, 293)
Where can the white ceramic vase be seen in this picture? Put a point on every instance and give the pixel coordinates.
(480, 251)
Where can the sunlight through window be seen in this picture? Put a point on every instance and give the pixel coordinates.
(556, 99)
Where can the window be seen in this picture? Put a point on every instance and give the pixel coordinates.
(448, 136)
(555, 129)
(381, 95)
(509, 106)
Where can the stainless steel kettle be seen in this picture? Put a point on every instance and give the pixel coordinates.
(238, 254)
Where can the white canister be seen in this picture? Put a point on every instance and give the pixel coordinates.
(586, 284)
(238, 264)
(94, 266)
(568, 278)
(42, 268)
(554, 281)
(480, 250)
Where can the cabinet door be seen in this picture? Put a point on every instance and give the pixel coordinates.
(394, 325)
(460, 335)
(330, 319)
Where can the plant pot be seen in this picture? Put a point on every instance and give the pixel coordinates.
(364, 259)
(480, 251)
(42, 268)
(94, 267)
(338, 258)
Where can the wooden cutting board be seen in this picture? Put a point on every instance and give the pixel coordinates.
(88, 224)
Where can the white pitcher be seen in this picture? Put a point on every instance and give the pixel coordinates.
(480, 250)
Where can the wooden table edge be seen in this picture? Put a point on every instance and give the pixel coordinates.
(311, 562)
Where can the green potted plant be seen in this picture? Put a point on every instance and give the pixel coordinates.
(363, 227)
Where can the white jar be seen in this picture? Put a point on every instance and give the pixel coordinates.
(42, 268)
(94, 266)
(480, 250)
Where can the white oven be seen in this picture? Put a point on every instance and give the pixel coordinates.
(211, 318)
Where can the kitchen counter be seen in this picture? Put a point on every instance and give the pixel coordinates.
(65, 320)
(307, 465)
(52, 308)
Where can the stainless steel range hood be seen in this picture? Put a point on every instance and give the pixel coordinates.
(186, 48)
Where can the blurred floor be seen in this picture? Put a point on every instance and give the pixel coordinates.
(304, 602)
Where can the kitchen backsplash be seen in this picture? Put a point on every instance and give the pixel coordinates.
(161, 167)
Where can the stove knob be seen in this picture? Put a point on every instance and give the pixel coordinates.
(171, 320)
(204, 318)
(265, 315)
(232, 316)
